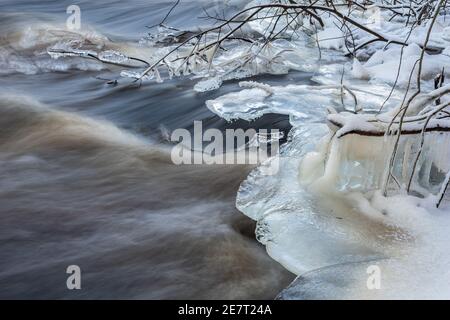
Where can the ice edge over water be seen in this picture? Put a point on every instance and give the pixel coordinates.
(307, 230)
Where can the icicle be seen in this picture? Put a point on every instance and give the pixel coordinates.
(406, 159)
(158, 76)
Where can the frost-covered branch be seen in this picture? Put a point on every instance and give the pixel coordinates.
(204, 42)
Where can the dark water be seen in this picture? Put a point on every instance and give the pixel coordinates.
(86, 176)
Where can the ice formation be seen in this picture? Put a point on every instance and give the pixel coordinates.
(323, 216)
(208, 84)
(356, 156)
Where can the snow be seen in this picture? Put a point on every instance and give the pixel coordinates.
(331, 38)
(383, 65)
(359, 71)
(208, 84)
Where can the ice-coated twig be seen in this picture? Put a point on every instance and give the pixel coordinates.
(289, 10)
(102, 57)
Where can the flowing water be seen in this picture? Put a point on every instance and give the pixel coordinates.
(86, 176)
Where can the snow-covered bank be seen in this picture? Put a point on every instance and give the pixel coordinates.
(308, 226)
(324, 215)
